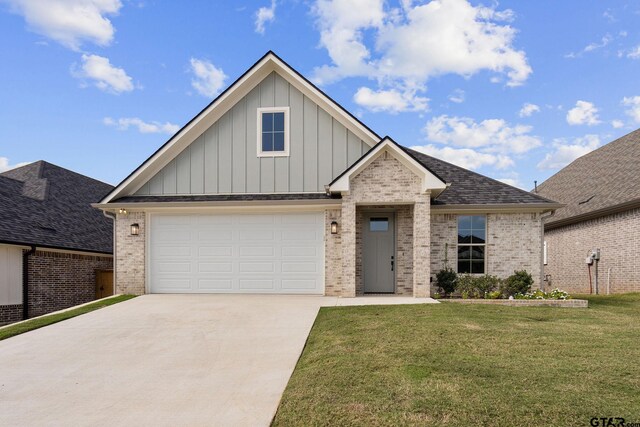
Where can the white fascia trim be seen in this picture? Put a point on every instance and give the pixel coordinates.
(223, 104)
(430, 182)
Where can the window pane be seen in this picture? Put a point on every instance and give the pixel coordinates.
(464, 222)
(267, 141)
(278, 141)
(464, 267)
(478, 236)
(477, 252)
(464, 236)
(267, 122)
(477, 267)
(278, 122)
(464, 252)
(478, 222)
(379, 224)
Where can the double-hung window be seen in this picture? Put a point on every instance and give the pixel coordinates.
(472, 235)
(273, 131)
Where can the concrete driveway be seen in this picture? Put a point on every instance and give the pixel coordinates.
(196, 360)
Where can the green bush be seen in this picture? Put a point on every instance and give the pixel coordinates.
(519, 282)
(494, 295)
(446, 279)
(477, 286)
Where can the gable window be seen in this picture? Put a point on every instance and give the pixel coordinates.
(273, 131)
(472, 232)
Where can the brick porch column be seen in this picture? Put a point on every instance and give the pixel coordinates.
(348, 237)
(421, 247)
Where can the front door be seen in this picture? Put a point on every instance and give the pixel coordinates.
(378, 252)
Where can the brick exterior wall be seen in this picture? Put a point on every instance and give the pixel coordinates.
(332, 254)
(618, 238)
(514, 242)
(10, 313)
(130, 258)
(59, 280)
(373, 187)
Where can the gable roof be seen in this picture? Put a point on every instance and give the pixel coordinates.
(597, 183)
(48, 206)
(470, 188)
(430, 180)
(226, 100)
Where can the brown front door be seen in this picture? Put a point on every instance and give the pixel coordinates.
(104, 283)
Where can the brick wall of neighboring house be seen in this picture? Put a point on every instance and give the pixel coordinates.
(618, 238)
(10, 313)
(59, 280)
(130, 258)
(514, 242)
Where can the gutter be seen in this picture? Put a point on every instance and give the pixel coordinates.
(25, 282)
(609, 210)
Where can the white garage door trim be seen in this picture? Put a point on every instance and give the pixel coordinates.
(235, 252)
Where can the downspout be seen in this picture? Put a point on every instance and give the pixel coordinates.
(113, 216)
(25, 282)
(543, 276)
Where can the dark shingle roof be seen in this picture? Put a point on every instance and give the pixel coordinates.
(470, 188)
(225, 198)
(46, 205)
(604, 178)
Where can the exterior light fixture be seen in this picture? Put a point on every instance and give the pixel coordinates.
(123, 211)
(135, 229)
(334, 227)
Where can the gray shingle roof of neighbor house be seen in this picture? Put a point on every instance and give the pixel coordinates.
(601, 182)
(48, 206)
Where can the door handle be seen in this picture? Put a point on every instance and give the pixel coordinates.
(392, 262)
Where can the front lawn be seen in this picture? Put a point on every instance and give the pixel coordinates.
(453, 364)
(49, 319)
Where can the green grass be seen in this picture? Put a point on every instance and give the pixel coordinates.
(452, 364)
(50, 319)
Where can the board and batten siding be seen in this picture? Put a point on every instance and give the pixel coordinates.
(224, 160)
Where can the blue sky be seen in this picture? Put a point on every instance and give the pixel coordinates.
(514, 90)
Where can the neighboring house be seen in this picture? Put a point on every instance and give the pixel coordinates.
(275, 188)
(51, 240)
(601, 191)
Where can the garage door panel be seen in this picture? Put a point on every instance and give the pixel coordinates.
(262, 253)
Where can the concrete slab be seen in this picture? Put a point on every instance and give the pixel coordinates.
(162, 360)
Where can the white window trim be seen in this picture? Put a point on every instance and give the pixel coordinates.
(545, 259)
(284, 153)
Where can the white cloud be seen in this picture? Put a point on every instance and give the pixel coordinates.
(465, 157)
(584, 113)
(492, 135)
(209, 80)
(617, 124)
(69, 22)
(391, 101)
(528, 109)
(105, 76)
(5, 165)
(564, 151)
(633, 102)
(142, 126)
(264, 15)
(457, 96)
(514, 182)
(634, 53)
(604, 41)
(415, 42)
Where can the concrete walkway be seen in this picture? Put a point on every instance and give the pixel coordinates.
(174, 360)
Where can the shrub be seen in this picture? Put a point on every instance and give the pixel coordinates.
(446, 279)
(519, 282)
(494, 295)
(477, 286)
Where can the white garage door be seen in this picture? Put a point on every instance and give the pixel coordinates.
(237, 253)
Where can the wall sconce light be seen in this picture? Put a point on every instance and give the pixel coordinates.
(135, 229)
(123, 211)
(334, 227)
